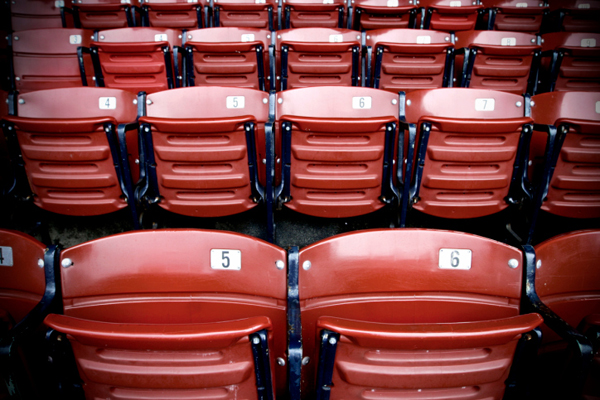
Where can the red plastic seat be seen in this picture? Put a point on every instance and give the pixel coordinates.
(409, 59)
(246, 14)
(48, 59)
(37, 14)
(175, 313)
(574, 64)
(199, 149)
(451, 15)
(413, 313)
(499, 60)
(576, 15)
(104, 14)
(383, 14)
(574, 185)
(228, 57)
(318, 57)
(175, 14)
(313, 14)
(567, 280)
(337, 148)
(136, 59)
(73, 161)
(517, 15)
(468, 162)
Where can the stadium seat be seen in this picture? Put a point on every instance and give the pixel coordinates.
(571, 187)
(104, 14)
(200, 149)
(175, 14)
(500, 60)
(68, 154)
(48, 59)
(175, 314)
(246, 14)
(413, 313)
(228, 57)
(516, 15)
(137, 59)
(382, 14)
(337, 150)
(37, 14)
(409, 59)
(318, 57)
(571, 61)
(27, 294)
(314, 13)
(470, 152)
(451, 15)
(563, 283)
(574, 16)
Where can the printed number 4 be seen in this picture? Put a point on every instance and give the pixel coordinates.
(107, 104)
(225, 257)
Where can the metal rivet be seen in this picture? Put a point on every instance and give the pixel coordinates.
(256, 340)
(40, 263)
(519, 104)
(148, 101)
(278, 36)
(280, 100)
(264, 160)
(265, 101)
(17, 78)
(408, 102)
(180, 36)
(532, 103)
(268, 36)
(279, 264)
(512, 263)
(21, 101)
(189, 36)
(394, 101)
(101, 37)
(358, 37)
(16, 38)
(137, 161)
(538, 264)
(134, 101)
(287, 128)
(332, 340)
(280, 361)
(305, 360)
(447, 39)
(306, 265)
(368, 37)
(248, 128)
(66, 263)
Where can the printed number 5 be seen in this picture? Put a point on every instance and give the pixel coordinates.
(454, 260)
(235, 102)
(225, 257)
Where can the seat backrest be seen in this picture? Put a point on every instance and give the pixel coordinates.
(467, 151)
(246, 14)
(67, 139)
(175, 14)
(409, 59)
(336, 143)
(577, 15)
(22, 279)
(35, 14)
(104, 14)
(47, 58)
(318, 57)
(175, 311)
(574, 188)
(136, 59)
(383, 14)
(451, 15)
(313, 14)
(418, 312)
(517, 15)
(567, 278)
(228, 57)
(575, 64)
(507, 61)
(200, 148)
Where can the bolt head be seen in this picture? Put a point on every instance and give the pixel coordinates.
(280, 264)
(280, 361)
(306, 265)
(40, 263)
(513, 263)
(305, 360)
(66, 263)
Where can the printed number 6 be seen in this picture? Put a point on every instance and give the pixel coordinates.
(224, 256)
(454, 260)
(361, 102)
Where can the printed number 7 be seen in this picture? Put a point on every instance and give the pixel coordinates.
(484, 104)
(225, 256)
